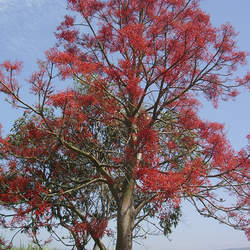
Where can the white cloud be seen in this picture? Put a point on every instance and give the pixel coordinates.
(27, 27)
(9, 4)
(4, 4)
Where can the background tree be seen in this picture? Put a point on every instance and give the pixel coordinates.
(128, 143)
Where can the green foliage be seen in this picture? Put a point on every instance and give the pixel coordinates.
(30, 247)
(169, 222)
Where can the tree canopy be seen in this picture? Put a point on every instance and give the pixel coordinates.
(124, 142)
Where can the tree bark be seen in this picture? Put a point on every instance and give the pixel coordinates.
(99, 245)
(125, 219)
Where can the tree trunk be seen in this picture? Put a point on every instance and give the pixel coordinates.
(125, 219)
(99, 245)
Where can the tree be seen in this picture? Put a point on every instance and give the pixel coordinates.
(126, 144)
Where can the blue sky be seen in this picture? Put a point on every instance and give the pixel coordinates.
(27, 28)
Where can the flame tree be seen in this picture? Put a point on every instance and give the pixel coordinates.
(123, 141)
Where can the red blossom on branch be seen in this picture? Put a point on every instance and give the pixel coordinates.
(124, 140)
